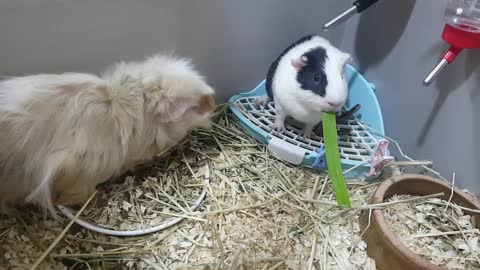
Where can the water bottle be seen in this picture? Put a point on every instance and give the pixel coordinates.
(461, 31)
(464, 15)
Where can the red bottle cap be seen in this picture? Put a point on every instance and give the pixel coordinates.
(462, 39)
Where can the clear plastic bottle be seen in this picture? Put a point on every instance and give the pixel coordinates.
(463, 14)
(461, 31)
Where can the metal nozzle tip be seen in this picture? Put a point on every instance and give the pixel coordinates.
(426, 82)
(436, 70)
(340, 18)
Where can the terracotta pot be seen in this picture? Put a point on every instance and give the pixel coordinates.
(383, 246)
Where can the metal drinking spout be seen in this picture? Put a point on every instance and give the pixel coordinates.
(340, 18)
(447, 58)
(358, 7)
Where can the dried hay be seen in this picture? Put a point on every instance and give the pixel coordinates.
(437, 230)
(260, 213)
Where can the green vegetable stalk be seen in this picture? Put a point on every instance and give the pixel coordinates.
(333, 159)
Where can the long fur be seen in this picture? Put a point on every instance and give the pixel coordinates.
(62, 134)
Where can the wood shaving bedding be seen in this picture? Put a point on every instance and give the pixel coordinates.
(445, 236)
(260, 213)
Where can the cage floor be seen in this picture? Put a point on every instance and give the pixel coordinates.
(356, 145)
(248, 219)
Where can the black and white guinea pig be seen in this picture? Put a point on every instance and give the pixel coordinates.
(307, 79)
(62, 134)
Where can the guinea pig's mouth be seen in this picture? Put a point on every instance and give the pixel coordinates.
(333, 109)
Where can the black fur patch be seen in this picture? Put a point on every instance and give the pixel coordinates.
(312, 76)
(274, 65)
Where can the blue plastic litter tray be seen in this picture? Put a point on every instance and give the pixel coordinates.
(355, 148)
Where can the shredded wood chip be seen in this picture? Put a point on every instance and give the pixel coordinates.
(445, 238)
(254, 217)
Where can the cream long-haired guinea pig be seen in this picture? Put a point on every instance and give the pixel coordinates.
(61, 135)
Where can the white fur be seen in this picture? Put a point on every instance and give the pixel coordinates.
(62, 134)
(305, 106)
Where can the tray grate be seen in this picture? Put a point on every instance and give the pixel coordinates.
(355, 145)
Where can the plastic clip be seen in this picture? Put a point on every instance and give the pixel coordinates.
(379, 159)
(321, 160)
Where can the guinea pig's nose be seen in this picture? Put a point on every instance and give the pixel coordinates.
(334, 104)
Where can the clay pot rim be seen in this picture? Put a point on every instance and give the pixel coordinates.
(391, 238)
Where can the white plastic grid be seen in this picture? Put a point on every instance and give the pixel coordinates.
(356, 145)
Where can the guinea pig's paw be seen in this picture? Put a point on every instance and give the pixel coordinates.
(278, 127)
(262, 101)
(306, 132)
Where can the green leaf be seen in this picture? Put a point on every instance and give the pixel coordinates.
(333, 159)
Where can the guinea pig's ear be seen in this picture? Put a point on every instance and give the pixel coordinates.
(300, 62)
(206, 104)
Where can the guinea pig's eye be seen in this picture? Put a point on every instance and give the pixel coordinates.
(317, 77)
